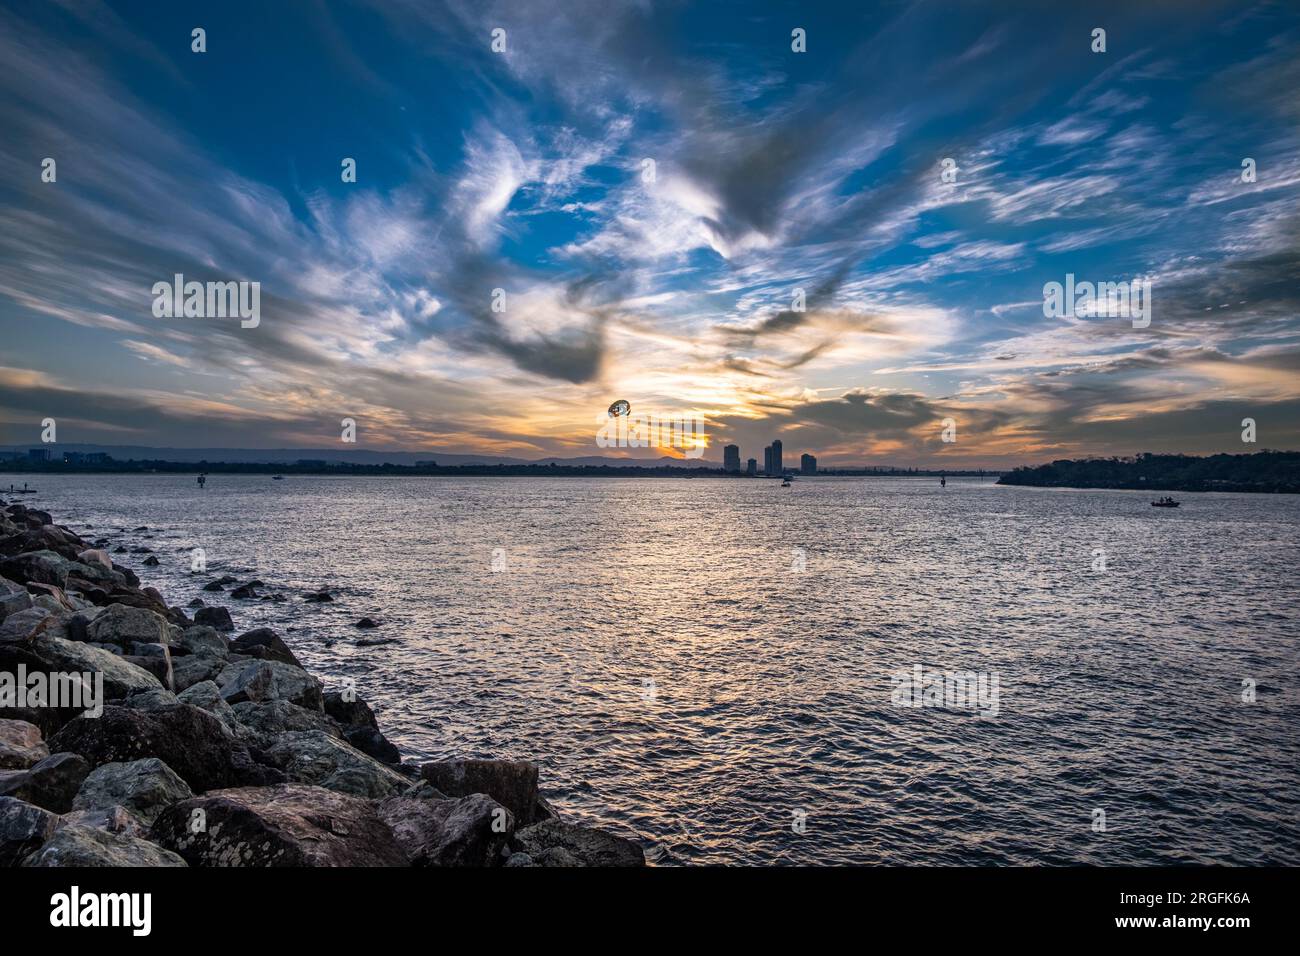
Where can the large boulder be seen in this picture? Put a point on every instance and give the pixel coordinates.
(217, 618)
(193, 669)
(23, 627)
(287, 825)
(13, 598)
(511, 783)
(21, 745)
(310, 756)
(269, 680)
(96, 556)
(467, 831)
(562, 844)
(192, 742)
(145, 787)
(92, 846)
(360, 727)
(23, 828)
(51, 783)
(124, 626)
(200, 639)
(46, 566)
(271, 718)
(264, 644)
(121, 677)
(44, 538)
(206, 695)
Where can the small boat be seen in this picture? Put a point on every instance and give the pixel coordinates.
(1165, 503)
(277, 477)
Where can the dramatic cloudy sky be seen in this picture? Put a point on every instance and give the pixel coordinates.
(775, 170)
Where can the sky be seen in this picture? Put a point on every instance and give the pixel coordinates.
(648, 184)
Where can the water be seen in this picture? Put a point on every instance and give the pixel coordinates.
(650, 643)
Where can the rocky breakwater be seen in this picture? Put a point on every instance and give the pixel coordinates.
(130, 735)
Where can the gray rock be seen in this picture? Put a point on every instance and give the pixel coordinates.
(194, 669)
(309, 756)
(271, 718)
(264, 644)
(159, 667)
(562, 844)
(96, 556)
(511, 783)
(150, 699)
(23, 828)
(520, 859)
(13, 598)
(144, 787)
(192, 742)
(21, 745)
(269, 680)
(286, 825)
(50, 784)
(112, 819)
(468, 831)
(206, 695)
(24, 626)
(124, 626)
(214, 617)
(120, 676)
(201, 639)
(91, 846)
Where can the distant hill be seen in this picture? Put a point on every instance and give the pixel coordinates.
(1264, 471)
(359, 456)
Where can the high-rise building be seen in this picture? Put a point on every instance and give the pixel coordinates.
(767, 460)
(731, 459)
(807, 465)
(777, 467)
(752, 468)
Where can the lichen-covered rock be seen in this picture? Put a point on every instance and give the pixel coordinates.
(144, 787)
(124, 626)
(562, 844)
(511, 783)
(286, 825)
(260, 680)
(121, 677)
(200, 639)
(150, 700)
(466, 831)
(311, 756)
(50, 784)
(190, 741)
(91, 846)
(206, 695)
(193, 669)
(271, 718)
(13, 598)
(21, 745)
(23, 828)
(23, 627)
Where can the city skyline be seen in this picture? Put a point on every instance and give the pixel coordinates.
(844, 245)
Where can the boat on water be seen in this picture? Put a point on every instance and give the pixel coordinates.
(1165, 502)
(277, 477)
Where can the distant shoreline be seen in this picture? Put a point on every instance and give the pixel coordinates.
(27, 470)
(1262, 472)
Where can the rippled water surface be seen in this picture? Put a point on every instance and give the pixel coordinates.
(651, 643)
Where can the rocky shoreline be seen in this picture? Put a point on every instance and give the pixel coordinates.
(134, 735)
